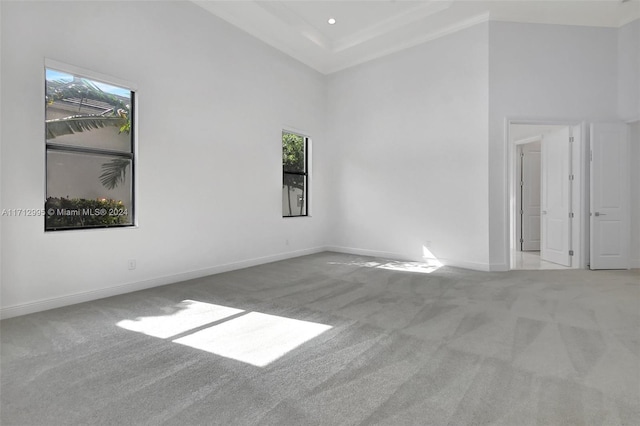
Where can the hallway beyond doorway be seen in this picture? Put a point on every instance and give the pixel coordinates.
(530, 260)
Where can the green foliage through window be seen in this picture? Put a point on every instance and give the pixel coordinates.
(90, 151)
(67, 213)
(294, 174)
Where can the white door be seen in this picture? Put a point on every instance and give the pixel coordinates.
(609, 247)
(531, 196)
(556, 197)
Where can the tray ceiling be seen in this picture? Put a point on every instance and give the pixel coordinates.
(366, 30)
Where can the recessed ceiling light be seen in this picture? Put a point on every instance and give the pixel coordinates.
(331, 21)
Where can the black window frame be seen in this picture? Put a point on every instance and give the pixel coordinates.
(130, 155)
(305, 174)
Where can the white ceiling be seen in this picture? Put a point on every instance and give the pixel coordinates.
(373, 28)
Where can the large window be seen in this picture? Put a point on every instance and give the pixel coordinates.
(89, 153)
(295, 175)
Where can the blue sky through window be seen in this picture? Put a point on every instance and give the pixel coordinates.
(54, 75)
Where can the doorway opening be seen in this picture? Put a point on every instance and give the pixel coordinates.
(546, 192)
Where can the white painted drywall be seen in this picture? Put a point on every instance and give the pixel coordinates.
(409, 135)
(547, 72)
(212, 105)
(1, 175)
(629, 109)
(629, 71)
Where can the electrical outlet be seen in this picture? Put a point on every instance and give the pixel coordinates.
(132, 264)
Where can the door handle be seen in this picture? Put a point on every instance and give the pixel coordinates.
(544, 212)
(600, 214)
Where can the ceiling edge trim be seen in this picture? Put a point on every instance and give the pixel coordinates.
(627, 20)
(459, 26)
(391, 24)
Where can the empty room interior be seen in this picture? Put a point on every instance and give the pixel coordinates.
(320, 212)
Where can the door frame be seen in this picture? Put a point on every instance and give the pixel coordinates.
(634, 262)
(519, 144)
(580, 192)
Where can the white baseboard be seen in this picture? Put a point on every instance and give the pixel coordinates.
(71, 299)
(465, 264)
(499, 267)
(476, 266)
(372, 253)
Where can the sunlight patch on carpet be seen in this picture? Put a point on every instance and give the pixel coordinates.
(184, 316)
(429, 265)
(256, 338)
(252, 337)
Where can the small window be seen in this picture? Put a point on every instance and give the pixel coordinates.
(295, 175)
(89, 153)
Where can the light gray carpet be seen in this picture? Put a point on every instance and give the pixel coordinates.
(391, 347)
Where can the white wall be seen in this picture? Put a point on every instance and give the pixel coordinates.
(542, 72)
(409, 134)
(629, 71)
(1, 155)
(414, 152)
(212, 105)
(629, 109)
